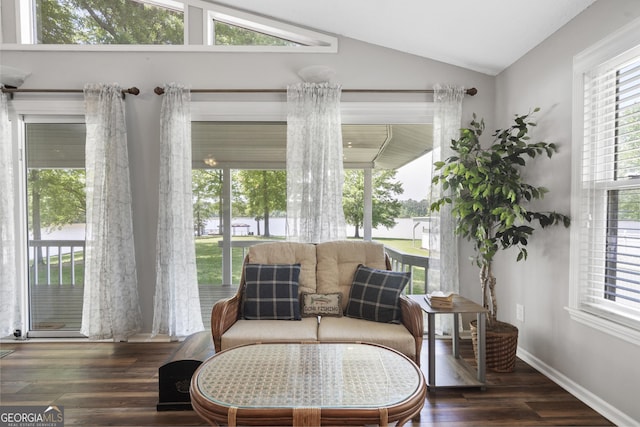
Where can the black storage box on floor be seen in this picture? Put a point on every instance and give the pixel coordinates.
(174, 377)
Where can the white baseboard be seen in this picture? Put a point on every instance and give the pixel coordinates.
(598, 404)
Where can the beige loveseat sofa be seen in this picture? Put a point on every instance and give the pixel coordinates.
(325, 269)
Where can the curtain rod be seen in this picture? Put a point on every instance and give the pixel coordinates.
(131, 91)
(159, 91)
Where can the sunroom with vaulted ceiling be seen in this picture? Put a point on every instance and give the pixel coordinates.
(236, 125)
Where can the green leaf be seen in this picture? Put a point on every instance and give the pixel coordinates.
(509, 220)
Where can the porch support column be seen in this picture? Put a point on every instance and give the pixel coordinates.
(226, 226)
(367, 214)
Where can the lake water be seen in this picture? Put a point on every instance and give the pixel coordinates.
(404, 229)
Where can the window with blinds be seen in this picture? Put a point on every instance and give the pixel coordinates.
(609, 191)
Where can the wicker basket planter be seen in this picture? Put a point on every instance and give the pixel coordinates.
(501, 344)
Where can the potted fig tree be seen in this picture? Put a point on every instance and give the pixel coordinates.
(489, 200)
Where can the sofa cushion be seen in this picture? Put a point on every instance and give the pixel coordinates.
(396, 336)
(338, 260)
(271, 292)
(257, 331)
(288, 253)
(375, 294)
(321, 304)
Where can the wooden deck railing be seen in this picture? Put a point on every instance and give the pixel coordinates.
(56, 286)
(401, 261)
(58, 256)
(56, 282)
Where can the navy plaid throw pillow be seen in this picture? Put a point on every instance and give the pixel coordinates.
(375, 294)
(271, 292)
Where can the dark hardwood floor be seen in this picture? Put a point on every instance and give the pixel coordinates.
(116, 384)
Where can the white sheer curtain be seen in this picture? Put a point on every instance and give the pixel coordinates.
(177, 300)
(9, 287)
(314, 163)
(443, 243)
(111, 308)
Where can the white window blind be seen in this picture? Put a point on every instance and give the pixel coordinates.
(609, 196)
(55, 145)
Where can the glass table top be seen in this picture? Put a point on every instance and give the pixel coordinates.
(325, 375)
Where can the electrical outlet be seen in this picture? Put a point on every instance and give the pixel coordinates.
(520, 312)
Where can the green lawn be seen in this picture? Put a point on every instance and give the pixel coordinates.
(404, 245)
(209, 259)
(53, 269)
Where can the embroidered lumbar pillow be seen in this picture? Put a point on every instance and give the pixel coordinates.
(322, 304)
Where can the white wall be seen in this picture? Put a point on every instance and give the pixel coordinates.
(357, 65)
(603, 368)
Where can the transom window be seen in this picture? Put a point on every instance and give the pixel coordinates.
(192, 25)
(233, 35)
(108, 22)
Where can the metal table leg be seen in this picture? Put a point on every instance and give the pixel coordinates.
(456, 336)
(482, 320)
(431, 340)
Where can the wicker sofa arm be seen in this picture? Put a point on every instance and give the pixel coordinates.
(413, 320)
(224, 314)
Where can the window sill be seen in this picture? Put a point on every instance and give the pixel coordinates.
(604, 325)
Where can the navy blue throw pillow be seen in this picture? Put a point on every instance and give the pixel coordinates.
(375, 294)
(271, 292)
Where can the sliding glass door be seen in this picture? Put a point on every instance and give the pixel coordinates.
(56, 224)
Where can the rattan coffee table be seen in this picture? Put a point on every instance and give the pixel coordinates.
(308, 384)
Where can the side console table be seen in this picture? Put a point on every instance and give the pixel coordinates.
(453, 371)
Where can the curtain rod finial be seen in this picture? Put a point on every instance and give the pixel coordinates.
(472, 91)
(158, 90)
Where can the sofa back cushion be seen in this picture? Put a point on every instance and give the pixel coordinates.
(288, 253)
(338, 261)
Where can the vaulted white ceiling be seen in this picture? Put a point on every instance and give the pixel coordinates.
(481, 35)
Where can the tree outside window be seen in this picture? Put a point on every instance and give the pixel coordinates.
(107, 22)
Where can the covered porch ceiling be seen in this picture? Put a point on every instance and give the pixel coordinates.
(262, 145)
(245, 145)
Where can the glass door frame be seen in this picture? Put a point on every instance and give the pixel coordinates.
(22, 112)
